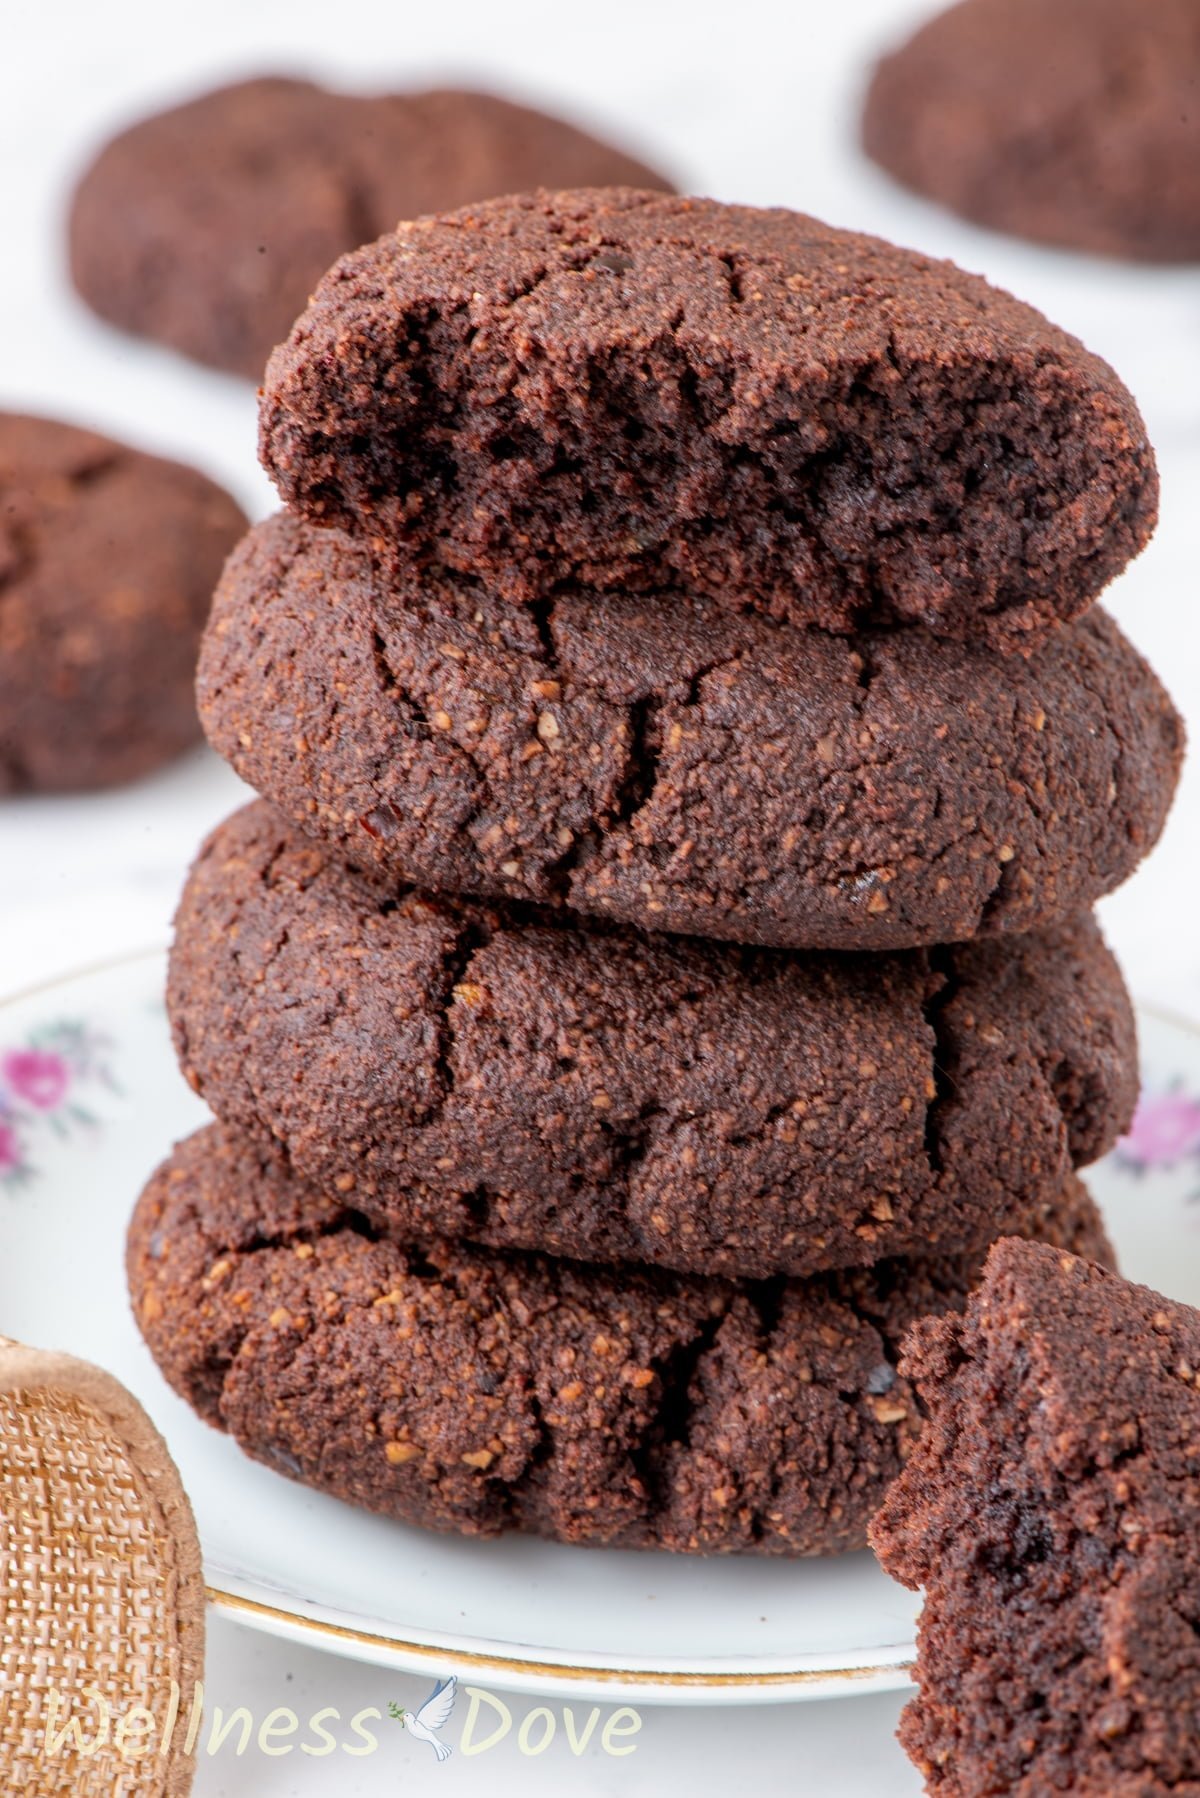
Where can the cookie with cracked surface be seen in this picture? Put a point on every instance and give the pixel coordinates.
(1070, 122)
(634, 391)
(1051, 1514)
(612, 1096)
(207, 226)
(107, 562)
(685, 769)
(468, 1390)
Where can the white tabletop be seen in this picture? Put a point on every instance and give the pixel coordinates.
(751, 102)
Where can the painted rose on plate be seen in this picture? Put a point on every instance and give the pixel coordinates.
(1165, 1132)
(41, 1086)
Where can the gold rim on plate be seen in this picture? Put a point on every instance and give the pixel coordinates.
(270, 1614)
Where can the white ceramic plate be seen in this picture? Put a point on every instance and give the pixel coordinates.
(90, 1101)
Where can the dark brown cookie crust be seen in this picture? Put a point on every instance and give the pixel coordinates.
(107, 564)
(1071, 122)
(611, 1096)
(1052, 1513)
(469, 1391)
(207, 226)
(684, 769)
(635, 391)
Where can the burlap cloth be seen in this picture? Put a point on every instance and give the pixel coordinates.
(101, 1595)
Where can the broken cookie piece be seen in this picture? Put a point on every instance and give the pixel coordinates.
(1051, 1513)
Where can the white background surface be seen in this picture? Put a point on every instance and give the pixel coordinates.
(752, 102)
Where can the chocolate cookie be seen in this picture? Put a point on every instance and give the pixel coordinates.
(1052, 1513)
(692, 770)
(1068, 121)
(107, 564)
(468, 1391)
(610, 1096)
(208, 226)
(634, 391)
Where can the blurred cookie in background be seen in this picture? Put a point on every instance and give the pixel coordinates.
(206, 227)
(1071, 122)
(108, 558)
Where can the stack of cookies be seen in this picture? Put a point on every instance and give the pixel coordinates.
(661, 961)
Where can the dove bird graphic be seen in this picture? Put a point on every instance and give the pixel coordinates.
(433, 1715)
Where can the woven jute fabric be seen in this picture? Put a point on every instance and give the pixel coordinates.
(101, 1594)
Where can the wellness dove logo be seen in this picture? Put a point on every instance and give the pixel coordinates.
(433, 1715)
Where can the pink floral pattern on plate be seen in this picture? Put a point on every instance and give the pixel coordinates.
(40, 1082)
(1165, 1132)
